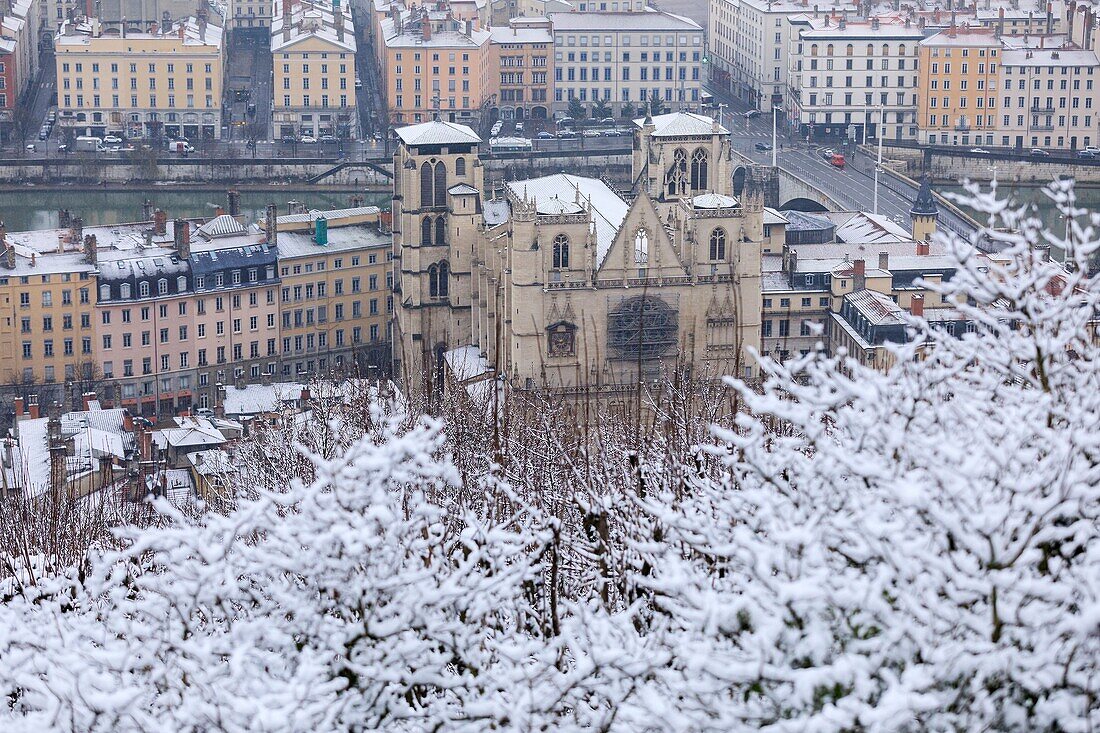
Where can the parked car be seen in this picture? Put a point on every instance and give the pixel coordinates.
(327, 138)
(591, 133)
(753, 113)
(358, 83)
(112, 140)
(288, 139)
(544, 135)
(827, 153)
(307, 139)
(62, 148)
(565, 134)
(1093, 149)
(43, 134)
(1086, 153)
(979, 151)
(519, 127)
(566, 122)
(607, 121)
(1040, 152)
(497, 127)
(763, 147)
(31, 147)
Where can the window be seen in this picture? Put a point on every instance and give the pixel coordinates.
(438, 280)
(561, 252)
(718, 244)
(641, 248)
(460, 167)
(699, 170)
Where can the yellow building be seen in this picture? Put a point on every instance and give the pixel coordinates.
(336, 300)
(168, 82)
(523, 57)
(47, 335)
(958, 87)
(313, 57)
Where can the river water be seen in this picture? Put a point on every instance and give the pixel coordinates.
(36, 208)
(1087, 196)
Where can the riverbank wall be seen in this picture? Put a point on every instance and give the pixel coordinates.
(955, 169)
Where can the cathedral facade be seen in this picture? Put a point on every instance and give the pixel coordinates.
(564, 283)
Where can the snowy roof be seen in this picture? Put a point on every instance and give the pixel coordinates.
(608, 209)
(868, 228)
(359, 237)
(628, 22)
(437, 132)
(466, 363)
(682, 124)
(520, 35)
(213, 461)
(1033, 56)
(253, 399)
(713, 201)
(495, 212)
(462, 189)
(190, 431)
(221, 226)
(331, 215)
(771, 216)
(555, 205)
(311, 20)
(877, 308)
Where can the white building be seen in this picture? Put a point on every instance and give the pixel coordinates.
(626, 58)
(1049, 97)
(846, 76)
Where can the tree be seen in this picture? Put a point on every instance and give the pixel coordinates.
(847, 550)
(601, 109)
(628, 111)
(577, 110)
(654, 105)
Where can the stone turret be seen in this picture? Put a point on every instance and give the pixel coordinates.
(925, 212)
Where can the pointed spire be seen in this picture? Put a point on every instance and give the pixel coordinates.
(925, 203)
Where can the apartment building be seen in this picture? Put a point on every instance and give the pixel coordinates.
(849, 77)
(19, 24)
(167, 82)
(626, 61)
(435, 62)
(524, 59)
(46, 328)
(313, 50)
(154, 315)
(245, 15)
(336, 281)
(1049, 98)
(958, 87)
(749, 41)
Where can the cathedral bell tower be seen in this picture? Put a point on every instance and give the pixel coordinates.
(437, 186)
(925, 212)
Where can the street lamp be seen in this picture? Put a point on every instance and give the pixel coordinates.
(878, 165)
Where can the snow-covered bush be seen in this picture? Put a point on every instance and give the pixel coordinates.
(848, 550)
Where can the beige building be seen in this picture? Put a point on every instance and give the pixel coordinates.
(164, 83)
(849, 77)
(958, 87)
(563, 283)
(627, 60)
(1049, 98)
(249, 14)
(524, 61)
(18, 57)
(313, 58)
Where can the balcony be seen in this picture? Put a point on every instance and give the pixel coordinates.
(962, 127)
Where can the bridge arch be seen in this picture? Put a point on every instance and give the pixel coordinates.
(804, 204)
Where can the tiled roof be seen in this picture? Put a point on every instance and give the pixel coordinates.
(630, 22)
(680, 124)
(437, 132)
(878, 309)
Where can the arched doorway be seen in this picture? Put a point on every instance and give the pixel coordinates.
(538, 113)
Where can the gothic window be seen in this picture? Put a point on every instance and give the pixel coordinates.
(699, 170)
(642, 327)
(426, 232)
(460, 167)
(440, 184)
(444, 279)
(438, 275)
(440, 230)
(718, 244)
(677, 174)
(426, 189)
(641, 248)
(561, 252)
(561, 339)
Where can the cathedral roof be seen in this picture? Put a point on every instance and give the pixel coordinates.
(608, 208)
(713, 201)
(681, 124)
(555, 205)
(437, 132)
(925, 204)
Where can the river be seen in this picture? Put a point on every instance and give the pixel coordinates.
(1087, 196)
(36, 208)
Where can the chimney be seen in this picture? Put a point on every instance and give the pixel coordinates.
(815, 10)
(146, 210)
(1000, 22)
(916, 306)
(64, 219)
(338, 19)
(128, 422)
(91, 254)
(87, 399)
(160, 222)
(859, 275)
(181, 234)
(843, 20)
(426, 28)
(233, 202)
(219, 211)
(874, 23)
(827, 20)
(287, 17)
(951, 33)
(271, 225)
(34, 259)
(19, 409)
(77, 228)
(33, 407)
(884, 261)
(183, 29)
(9, 258)
(124, 27)
(305, 395)
(922, 247)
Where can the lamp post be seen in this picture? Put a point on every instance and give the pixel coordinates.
(878, 164)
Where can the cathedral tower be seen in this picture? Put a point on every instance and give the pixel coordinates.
(925, 212)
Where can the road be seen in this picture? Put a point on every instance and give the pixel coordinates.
(853, 187)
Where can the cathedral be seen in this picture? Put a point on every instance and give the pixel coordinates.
(564, 283)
